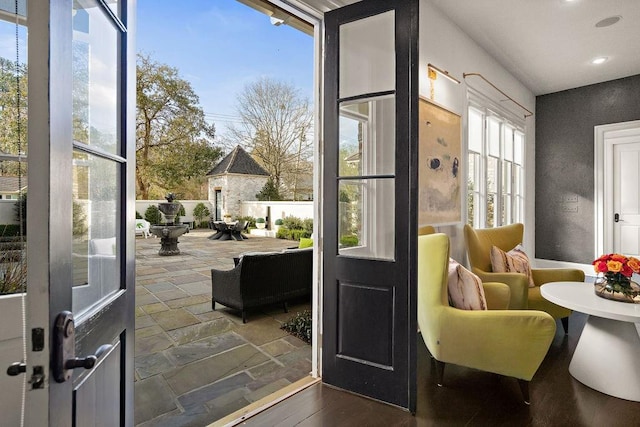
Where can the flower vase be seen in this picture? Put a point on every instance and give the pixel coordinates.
(623, 291)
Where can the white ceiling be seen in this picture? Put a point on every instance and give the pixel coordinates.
(547, 44)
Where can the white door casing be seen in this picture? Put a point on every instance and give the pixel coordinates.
(614, 156)
(626, 197)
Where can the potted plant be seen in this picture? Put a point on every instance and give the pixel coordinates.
(277, 224)
(260, 223)
(226, 217)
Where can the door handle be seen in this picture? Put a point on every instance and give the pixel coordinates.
(64, 353)
(616, 218)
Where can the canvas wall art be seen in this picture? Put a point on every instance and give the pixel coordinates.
(440, 171)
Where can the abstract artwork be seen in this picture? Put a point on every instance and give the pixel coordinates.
(440, 170)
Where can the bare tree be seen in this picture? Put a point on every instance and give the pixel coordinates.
(276, 126)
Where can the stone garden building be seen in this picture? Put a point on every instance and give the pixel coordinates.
(236, 178)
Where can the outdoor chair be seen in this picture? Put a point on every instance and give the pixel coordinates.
(506, 342)
(479, 243)
(142, 227)
(236, 232)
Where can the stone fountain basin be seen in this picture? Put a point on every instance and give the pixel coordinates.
(168, 231)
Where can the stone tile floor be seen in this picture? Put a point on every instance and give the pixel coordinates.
(194, 365)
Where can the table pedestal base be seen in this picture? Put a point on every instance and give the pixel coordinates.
(606, 358)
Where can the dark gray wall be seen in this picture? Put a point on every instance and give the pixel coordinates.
(565, 163)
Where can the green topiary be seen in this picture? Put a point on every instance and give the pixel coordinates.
(260, 220)
(200, 211)
(278, 221)
(138, 216)
(153, 215)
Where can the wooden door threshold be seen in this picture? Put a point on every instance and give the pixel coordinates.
(265, 403)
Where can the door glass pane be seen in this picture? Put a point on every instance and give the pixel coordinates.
(13, 215)
(95, 77)
(367, 137)
(366, 218)
(367, 55)
(95, 239)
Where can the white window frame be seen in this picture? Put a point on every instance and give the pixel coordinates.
(490, 110)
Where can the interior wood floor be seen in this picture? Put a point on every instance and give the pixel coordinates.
(468, 398)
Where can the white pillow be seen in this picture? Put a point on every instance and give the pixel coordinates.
(465, 288)
(514, 261)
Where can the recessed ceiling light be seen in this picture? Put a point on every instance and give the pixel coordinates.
(599, 60)
(606, 22)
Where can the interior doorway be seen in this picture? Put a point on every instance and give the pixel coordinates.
(617, 159)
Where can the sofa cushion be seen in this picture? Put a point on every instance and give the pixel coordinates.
(465, 288)
(514, 261)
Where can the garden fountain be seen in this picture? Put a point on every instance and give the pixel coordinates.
(169, 232)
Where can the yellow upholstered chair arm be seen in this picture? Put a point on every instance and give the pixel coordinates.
(425, 230)
(547, 275)
(517, 282)
(497, 295)
(506, 342)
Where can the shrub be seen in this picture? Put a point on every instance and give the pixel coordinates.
(300, 326)
(153, 215)
(307, 225)
(138, 216)
(200, 211)
(285, 233)
(293, 223)
(260, 220)
(278, 221)
(13, 276)
(9, 230)
(347, 241)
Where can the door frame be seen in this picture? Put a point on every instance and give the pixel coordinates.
(603, 179)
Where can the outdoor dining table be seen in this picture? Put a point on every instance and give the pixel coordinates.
(227, 231)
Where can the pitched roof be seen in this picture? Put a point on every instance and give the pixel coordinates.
(11, 184)
(240, 162)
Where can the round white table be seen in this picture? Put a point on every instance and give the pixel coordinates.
(607, 357)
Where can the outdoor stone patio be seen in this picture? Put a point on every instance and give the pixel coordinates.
(194, 365)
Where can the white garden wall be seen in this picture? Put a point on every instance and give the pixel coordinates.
(278, 210)
(142, 205)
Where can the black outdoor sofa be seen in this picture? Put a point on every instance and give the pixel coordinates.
(263, 278)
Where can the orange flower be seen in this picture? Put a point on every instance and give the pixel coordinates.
(634, 264)
(614, 266)
(618, 257)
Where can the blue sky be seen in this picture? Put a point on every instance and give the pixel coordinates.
(219, 46)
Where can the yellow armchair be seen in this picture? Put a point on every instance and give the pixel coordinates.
(505, 342)
(479, 243)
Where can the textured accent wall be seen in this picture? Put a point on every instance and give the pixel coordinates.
(564, 184)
